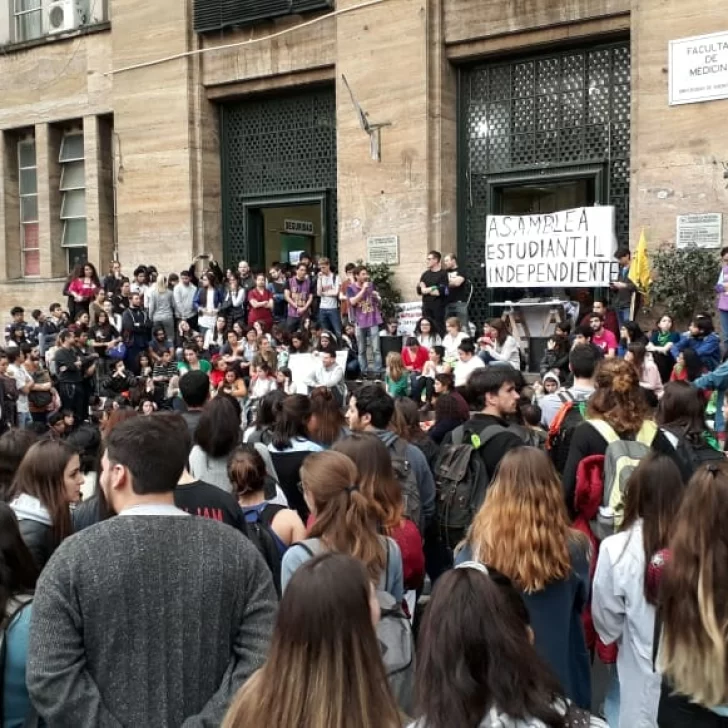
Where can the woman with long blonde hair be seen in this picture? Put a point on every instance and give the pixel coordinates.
(522, 530)
(344, 523)
(694, 607)
(324, 668)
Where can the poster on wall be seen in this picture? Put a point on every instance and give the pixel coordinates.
(571, 248)
(698, 69)
(408, 314)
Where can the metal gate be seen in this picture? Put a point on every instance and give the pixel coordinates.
(540, 115)
(274, 147)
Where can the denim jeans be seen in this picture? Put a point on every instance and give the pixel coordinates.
(623, 315)
(611, 699)
(717, 380)
(24, 420)
(330, 320)
(372, 333)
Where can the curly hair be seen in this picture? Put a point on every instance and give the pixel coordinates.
(522, 528)
(618, 399)
(694, 591)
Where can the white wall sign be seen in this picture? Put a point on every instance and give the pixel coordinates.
(703, 231)
(568, 248)
(298, 227)
(699, 68)
(408, 314)
(383, 249)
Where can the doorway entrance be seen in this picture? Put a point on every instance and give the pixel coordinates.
(280, 229)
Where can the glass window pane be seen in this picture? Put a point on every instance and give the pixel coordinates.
(26, 154)
(21, 5)
(28, 181)
(74, 204)
(28, 26)
(76, 256)
(30, 235)
(29, 209)
(72, 147)
(74, 232)
(73, 176)
(31, 263)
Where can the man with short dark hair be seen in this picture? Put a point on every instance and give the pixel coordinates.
(458, 292)
(18, 324)
(365, 311)
(583, 336)
(623, 286)
(371, 410)
(194, 388)
(601, 338)
(299, 294)
(184, 300)
(133, 622)
(610, 318)
(433, 289)
(492, 390)
(327, 289)
(582, 364)
(135, 327)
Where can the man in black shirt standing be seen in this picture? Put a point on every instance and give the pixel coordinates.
(458, 292)
(69, 370)
(433, 289)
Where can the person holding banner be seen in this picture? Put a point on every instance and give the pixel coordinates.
(433, 288)
(624, 286)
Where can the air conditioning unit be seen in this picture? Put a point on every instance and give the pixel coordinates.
(66, 15)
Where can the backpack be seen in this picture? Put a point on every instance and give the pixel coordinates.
(570, 415)
(394, 634)
(461, 480)
(690, 458)
(620, 460)
(407, 479)
(39, 400)
(261, 536)
(24, 601)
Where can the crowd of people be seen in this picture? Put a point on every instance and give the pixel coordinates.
(190, 535)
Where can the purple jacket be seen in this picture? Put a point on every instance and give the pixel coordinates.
(721, 288)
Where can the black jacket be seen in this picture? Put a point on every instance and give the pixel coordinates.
(39, 539)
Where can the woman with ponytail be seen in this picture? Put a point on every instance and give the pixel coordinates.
(344, 523)
(616, 411)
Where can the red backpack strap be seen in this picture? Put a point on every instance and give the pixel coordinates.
(558, 421)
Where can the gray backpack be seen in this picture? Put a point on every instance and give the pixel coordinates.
(407, 479)
(394, 633)
(620, 460)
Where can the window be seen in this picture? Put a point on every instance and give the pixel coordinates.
(28, 189)
(73, 198)
(28, 19)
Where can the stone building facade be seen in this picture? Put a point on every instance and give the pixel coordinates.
(153, 132)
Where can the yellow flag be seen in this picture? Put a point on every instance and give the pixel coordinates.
(639, 270)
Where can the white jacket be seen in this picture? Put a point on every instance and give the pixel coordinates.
(621, 614)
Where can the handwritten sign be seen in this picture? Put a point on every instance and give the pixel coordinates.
(408, 314)
(568, 248)
(699, 69)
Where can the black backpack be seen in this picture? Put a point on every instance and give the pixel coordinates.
(461, 480)
(39, 399)
(561, 430)
(690, 457)
(261, 536)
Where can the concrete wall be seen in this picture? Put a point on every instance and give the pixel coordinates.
(677, 152)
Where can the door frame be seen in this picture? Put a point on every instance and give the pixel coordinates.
(253, 203)
(597, 173)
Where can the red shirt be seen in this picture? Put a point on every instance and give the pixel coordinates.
(418, 361)
(264, 315)
(605, 341)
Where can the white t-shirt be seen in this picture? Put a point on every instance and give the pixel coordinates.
(329, 302)
(463, 369)
(22, 379)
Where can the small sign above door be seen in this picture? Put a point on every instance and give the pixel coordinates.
(298, 227)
